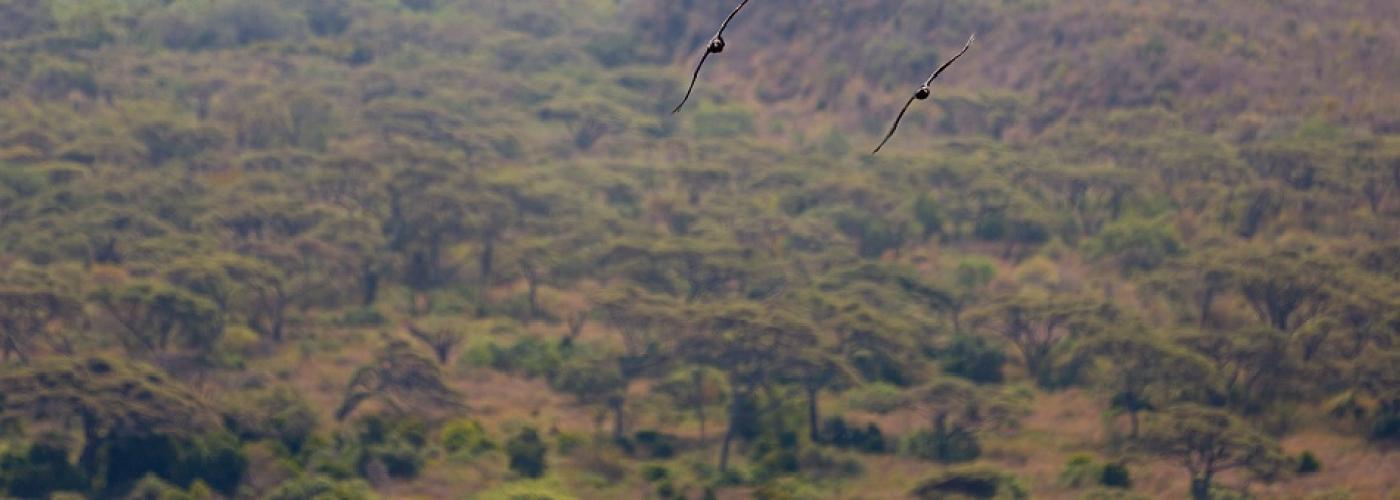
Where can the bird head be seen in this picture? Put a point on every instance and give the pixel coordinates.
(922, 93)
(716, 46)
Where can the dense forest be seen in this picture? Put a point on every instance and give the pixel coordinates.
(355, 249)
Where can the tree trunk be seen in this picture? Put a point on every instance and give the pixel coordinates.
(619, 427)
(1200, 487)
(1133, 420)
(812, 416)
(488, 255)
(699, 402)
(729, 433)
(369, 287)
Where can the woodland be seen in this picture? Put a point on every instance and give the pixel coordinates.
(362, 249)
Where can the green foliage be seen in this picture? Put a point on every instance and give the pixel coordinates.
(974, 358)
(877, 398)
(322, 488)
(1308, 463)
(277, 413)
(955, 446)
(41, 469)
(526, 452)
(465, 437)
(196, 182)
(971, 482)
(839, 433)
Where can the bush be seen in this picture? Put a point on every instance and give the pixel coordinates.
(527, 490)
(318, 487)
(362, 317)
(973, 482)
(974, 358)
(279, 414)
(877, 398)
(41, 469)
(1080, 471)
(1386, 428)
(1115, 475)
(529, 356)
(954, 446)
(527, 453)
(655, 444)
(1308, 463)
(838, 433)
(465, 436)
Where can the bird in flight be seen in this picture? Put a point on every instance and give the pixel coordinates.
(922, 93)
(716, 46)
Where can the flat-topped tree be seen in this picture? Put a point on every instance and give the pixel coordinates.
(953, 405)
(1208, 442)
(1143, 373)
(1037, 324)
(109, 399)
(748, 341)
(154, 317)
(25, 313)
(401, 379)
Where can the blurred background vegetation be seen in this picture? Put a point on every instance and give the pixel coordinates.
(461, 249)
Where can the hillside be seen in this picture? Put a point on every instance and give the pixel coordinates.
(462, 249)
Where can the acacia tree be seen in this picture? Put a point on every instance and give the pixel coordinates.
(954, 405)
(402, 380)
(596, 382)
(1143, 373)
(110, 401)
(814, 369)
(748, 342)
(294, 275)
(1207, 442)
(696, 387)
(442, 340)
(1287, 287)
(26, 313)
(645, 323)
(1037, 326)
(155, 317)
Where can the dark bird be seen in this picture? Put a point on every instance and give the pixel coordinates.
(922, 93)
(716, 46)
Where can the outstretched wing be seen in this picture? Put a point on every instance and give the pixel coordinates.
(950, 61)
(894, 127)
(731, 18)
(693, 78)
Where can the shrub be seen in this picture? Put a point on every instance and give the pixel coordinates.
(878, 398)
(971, 481)
(362, 317)
(41, 469)
(954, 446)
(655, 444)
(1386, 428)
(974, 358)
(278, 413)
(322, 487)
(1115, 475)
(465, 436)
(838, 433)
(527, 453)
(1080, 471)
(1308, 463)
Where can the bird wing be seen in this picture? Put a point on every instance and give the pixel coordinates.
(692, 82)
(950, 61)
(731, 17)
(894, 127)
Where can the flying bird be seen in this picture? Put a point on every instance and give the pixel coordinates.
(922, 93)
(716, 46)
